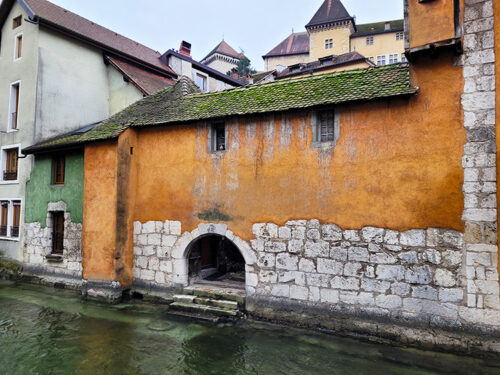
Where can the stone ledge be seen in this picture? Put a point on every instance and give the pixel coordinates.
(413, 331)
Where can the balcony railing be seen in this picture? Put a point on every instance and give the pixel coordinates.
(3, 230)
(9, 175)
(14, 120)
(14, 231)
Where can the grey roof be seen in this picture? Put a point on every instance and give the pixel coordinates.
(329, 12)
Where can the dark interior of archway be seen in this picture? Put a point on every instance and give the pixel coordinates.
(215, 258)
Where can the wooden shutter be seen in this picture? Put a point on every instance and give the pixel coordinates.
(58, 167)
(4, 218)
(58, 233)
(19, 46)
(14, 230)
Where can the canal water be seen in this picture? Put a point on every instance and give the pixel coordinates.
(51, 331)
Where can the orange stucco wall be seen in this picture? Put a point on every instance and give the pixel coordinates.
(99, 211)
(397, 165)
(431, 22)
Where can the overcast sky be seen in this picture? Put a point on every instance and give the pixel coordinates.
(255, 26)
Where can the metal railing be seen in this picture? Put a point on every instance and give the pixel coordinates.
(9, 175)
(14, 231)
(3, 230)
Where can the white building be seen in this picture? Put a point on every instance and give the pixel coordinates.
(59, 72)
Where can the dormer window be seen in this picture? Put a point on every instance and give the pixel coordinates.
(17, 22)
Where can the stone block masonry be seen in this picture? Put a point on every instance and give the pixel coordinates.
(479, 161)
(418, 275)
(38, 245)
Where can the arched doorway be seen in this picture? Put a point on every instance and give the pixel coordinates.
(214, 258)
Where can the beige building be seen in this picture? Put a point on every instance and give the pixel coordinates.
(333, 31)
(222, 58)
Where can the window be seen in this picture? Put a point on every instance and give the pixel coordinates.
(16, 219)
(201, 81)
(399, 35)
(58, 233)
(58, 166)
(18, 21)
(381, 60)
(328, 43)
(18, 48)
(403, 58)
(14, 106)
(217, 137)
(393, 59)
(369, 41)
(4, 220)
(10, 218)
(325, 128)
(10, 169)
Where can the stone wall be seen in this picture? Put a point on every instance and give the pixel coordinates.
(479, 161)
(153, 243)
(414, 273)
(38, 245)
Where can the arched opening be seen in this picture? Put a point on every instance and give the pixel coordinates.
(215, 259)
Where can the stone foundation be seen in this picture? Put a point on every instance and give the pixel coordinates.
(38, 246)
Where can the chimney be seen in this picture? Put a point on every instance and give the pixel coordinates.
(185, 48)
(234, 73)
(387, 26)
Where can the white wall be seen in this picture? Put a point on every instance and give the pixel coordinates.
(121, 93)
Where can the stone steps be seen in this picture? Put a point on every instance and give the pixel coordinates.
(217, 293)
(197, 308)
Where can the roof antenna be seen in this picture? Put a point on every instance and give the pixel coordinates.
(292, 30)
(222, 36)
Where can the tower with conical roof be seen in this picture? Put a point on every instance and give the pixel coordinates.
(222, 58)
(330, 30)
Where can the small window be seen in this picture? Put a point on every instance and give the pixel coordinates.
(18, 48)
(369, 41)
(11, 162)
(393, 59)
(201, 81)
(326, 126)
(403, 58)
(218, 137)
(16, 219)
(58, 167)
(14, 106)
(328, 43)
(4, 220)
(18, 21)
(399, 35)
(381, 60)
(58, 233)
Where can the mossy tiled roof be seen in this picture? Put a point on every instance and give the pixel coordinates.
(182, 103)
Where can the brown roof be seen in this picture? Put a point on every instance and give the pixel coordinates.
(224, 49)
(330, 11)
(54, 16)
(295, 44)
(148, 83)
(327, 62)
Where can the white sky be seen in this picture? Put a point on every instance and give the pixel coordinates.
(254, 26)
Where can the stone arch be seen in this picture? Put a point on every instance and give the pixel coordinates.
(180, 251)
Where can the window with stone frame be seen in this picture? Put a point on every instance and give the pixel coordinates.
(217, 141)
(11, 156)
(326, 126)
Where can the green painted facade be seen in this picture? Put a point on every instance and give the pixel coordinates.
(40, 191)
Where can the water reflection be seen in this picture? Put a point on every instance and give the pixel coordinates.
(47, 331)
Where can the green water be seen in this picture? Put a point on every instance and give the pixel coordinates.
(49, 331)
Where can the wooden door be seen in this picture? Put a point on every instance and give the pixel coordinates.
(58, 233)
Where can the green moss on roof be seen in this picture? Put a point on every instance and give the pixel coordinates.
(181, 102)
(377, 27)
